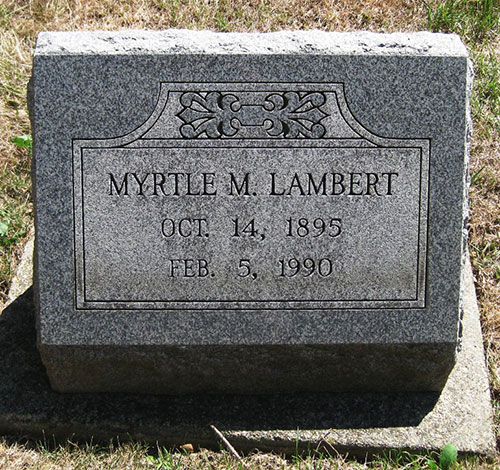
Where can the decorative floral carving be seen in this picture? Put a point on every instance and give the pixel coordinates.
(289, 115)
(208, 113)
(296, 116)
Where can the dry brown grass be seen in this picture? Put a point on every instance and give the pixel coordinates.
(28, 18)
(14, 456)
(14, 163)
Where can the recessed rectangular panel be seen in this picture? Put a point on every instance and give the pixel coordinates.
(251, 200)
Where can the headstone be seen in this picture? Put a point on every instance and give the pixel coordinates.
(249, 213)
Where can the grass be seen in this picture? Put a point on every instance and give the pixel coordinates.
(141, 456)
(15, 205)
(477, 21)
(474, 20)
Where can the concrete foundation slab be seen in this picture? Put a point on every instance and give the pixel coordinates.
(360, 424)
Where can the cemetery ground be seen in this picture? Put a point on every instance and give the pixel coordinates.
(477, 22)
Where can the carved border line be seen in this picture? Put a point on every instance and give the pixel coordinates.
(136, 137)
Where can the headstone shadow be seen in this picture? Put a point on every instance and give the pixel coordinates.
(28, 405)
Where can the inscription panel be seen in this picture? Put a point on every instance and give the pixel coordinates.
(250, 198)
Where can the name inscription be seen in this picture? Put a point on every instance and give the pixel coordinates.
(204, 184)
(259, 224)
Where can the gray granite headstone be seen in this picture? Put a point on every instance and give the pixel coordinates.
(249, 213)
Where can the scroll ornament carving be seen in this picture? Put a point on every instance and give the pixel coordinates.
(288, 115)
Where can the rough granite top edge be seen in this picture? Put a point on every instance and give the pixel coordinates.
(315, 42)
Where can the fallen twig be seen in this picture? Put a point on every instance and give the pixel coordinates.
(323, 442)
(228, 445)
